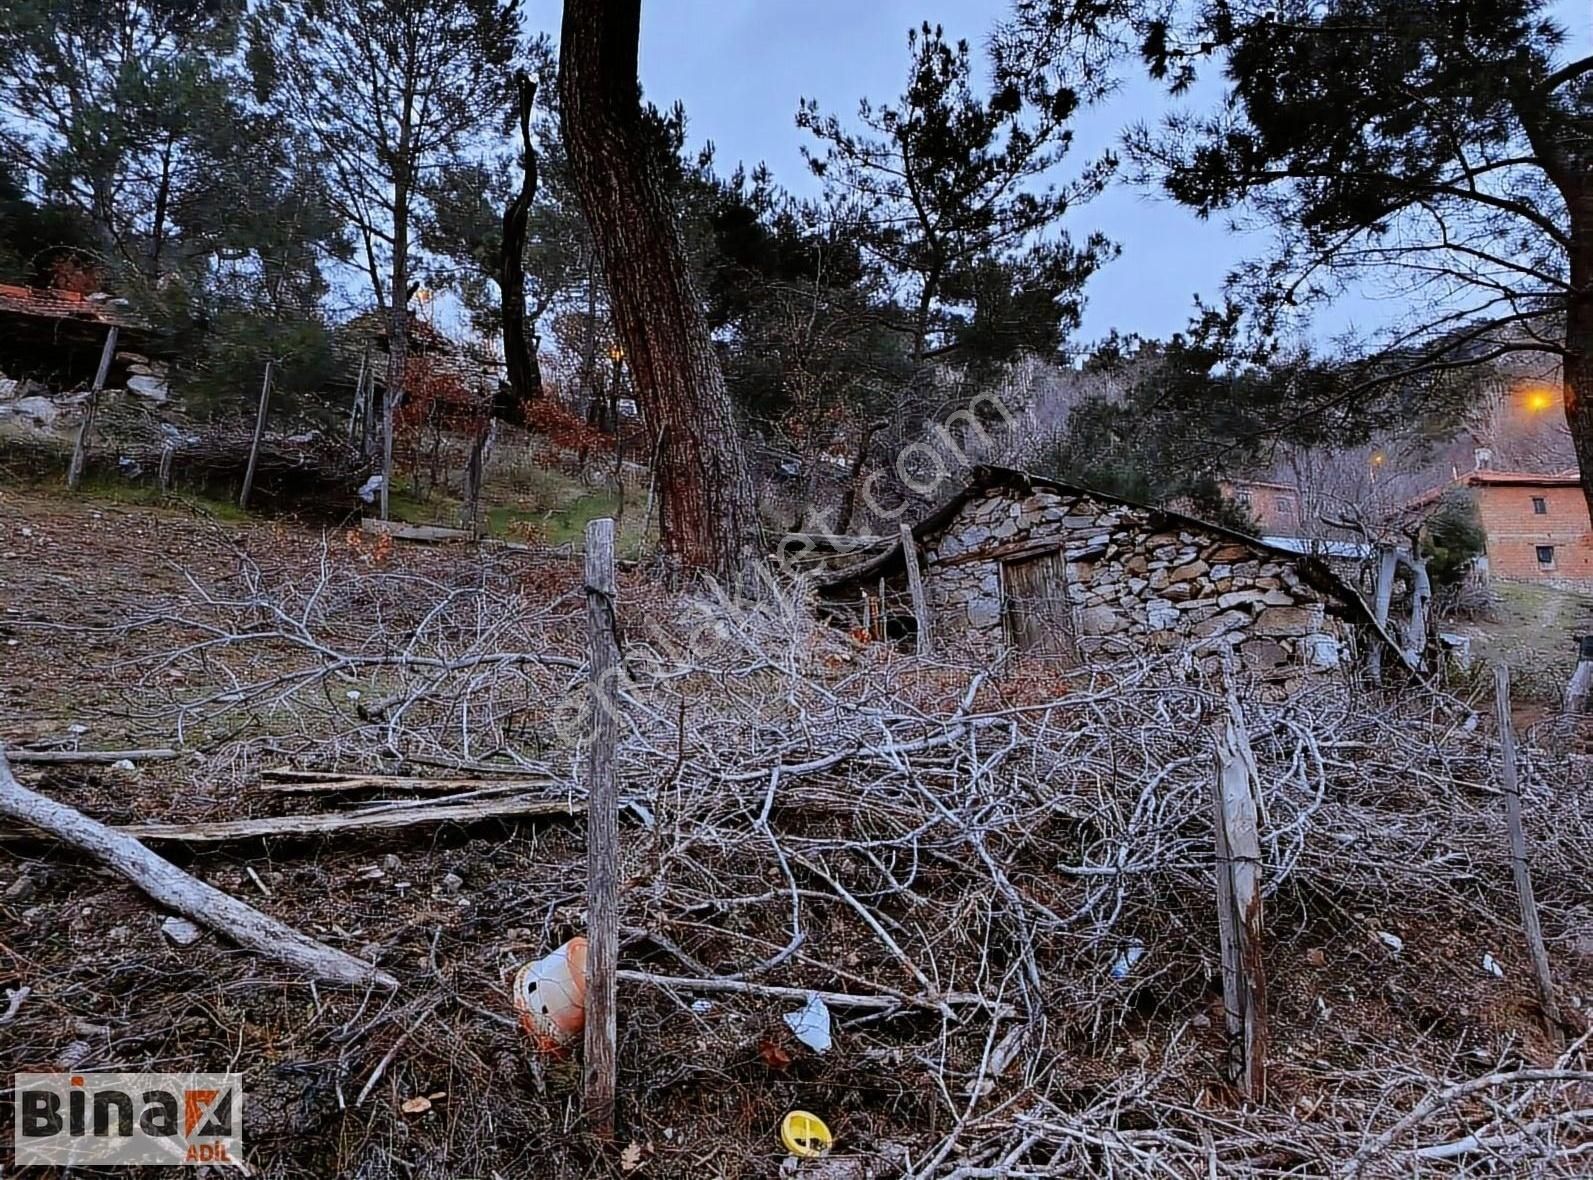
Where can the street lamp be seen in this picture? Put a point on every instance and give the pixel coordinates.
(1538, 398)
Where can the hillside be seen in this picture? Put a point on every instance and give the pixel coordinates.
(1001, 880)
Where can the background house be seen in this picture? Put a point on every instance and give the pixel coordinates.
(1275, 507)
(1536, 525)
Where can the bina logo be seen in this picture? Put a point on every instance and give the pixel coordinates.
(149, 1119)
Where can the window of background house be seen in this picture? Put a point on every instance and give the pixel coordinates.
(1540, 506)
(1545, 554)
(1283, 504)
(1242, 497)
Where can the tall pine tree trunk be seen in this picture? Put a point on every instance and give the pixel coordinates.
(1578, 360)
(708, 517)
(519, 352)
(397, 311)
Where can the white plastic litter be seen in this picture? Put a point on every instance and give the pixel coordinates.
(123, 764)
(702, 1007)
(1392, 941)
(1491, 965)
(1125, 962)
(368, 489)
(811, 1024)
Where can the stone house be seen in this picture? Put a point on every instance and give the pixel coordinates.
(1018, 563)
(1536, 525)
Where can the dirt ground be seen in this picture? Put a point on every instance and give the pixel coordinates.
(451, 910)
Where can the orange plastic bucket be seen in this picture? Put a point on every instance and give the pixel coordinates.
(550, 995)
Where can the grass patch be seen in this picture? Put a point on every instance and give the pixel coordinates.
(565, 524)
(109, 490)
(1533, 628)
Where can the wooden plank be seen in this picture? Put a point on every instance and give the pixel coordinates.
(53, 757)
(1519, 869)
(1038, 615)
(915, 587)
(74, 470)
(1009, 550)
(602, 832)
(472, 811)
(423, 533)
(314, 783)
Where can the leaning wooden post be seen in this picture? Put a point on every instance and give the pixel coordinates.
(357, 405)
(74, 470)
(1518, 852)
(915, 587)
(602, 830)
(259, 433)
(1239, 920)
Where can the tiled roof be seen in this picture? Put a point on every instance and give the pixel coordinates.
(1568, 478)
(63, 305)
(1488, 478)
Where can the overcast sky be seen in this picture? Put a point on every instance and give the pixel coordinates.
(741, 65)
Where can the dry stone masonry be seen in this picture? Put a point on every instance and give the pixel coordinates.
(1134, 582)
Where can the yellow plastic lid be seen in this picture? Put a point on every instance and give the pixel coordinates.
(805, 1135)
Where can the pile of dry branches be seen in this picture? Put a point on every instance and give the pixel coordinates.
(1000, 881)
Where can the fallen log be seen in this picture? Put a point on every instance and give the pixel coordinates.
(170, 886)
(402, 816)
(38, 757)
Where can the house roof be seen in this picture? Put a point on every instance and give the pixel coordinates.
(1568, 478)
(48, 303)
(420, 335)
(1488, 478)
(1262, 483)
(987, 478)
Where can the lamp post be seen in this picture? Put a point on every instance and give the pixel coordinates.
(617, 355)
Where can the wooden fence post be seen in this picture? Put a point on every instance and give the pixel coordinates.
(259, 433)
(1518, 852)
(74, 470)
(602, 831)
(168, 451)
(1239, 919)
(915, 586)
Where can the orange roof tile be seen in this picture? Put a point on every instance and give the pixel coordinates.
(57, 305)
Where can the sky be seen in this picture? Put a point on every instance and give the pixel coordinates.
(740, 66)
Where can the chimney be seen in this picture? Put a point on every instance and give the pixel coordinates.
(1482, 458)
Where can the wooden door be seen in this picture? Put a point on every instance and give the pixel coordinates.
(1038, 614)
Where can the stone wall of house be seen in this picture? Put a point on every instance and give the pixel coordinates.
(1132, 585)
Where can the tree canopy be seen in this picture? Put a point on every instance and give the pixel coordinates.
(1440, 149)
